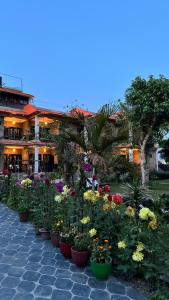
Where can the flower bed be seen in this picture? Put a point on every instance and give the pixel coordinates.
(96, 226)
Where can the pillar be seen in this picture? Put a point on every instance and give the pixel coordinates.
(131, 158)
(36, 159)
(1, 146)
(36, 128)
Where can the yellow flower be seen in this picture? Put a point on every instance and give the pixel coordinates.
(88, 195)
(137, 256)
(130, 212)
(140, 247)
(122, 245)
(92, 232)
(153, 224)
(106, 206)
(113, 205)
(105, 197)
(58, 198)
(151, 215)
(66, 190)
(26, 182)
(144, 213)
(85, 220)
(92, 196)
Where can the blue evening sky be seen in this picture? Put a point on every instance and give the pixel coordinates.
(88, 50)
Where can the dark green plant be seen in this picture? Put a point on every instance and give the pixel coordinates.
(82, 242)
(136, 194)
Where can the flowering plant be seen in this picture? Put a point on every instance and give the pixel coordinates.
(67, 235)
(57, 226)
(101, 252)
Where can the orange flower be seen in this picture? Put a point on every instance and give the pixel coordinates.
(106, 241)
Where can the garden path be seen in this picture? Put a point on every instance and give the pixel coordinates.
(33, 269)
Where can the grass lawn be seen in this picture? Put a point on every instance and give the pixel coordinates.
(156, 187)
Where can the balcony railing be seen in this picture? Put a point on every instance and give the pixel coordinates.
(12, 133)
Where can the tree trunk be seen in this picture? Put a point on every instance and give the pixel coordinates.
(144, 166)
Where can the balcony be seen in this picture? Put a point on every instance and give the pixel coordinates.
(14, 133)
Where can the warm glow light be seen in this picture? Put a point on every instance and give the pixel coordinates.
(46, 123)
(13, 150)
(13, 122)
(44, 150)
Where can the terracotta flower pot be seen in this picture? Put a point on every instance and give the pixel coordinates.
(80, 258)
(44, 234)
(55, 239)
(65, 249)
(101, 271)
(24, 216)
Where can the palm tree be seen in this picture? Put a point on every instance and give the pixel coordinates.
(96, 134)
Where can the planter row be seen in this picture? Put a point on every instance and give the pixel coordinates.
(80, 258)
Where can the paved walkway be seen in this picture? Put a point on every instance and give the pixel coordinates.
(33, 269)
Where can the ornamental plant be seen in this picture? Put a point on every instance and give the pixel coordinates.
(67, 235)
(82, 242)
(57, 226)
(24, 203)
(101, 252)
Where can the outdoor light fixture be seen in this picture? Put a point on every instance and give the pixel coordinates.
(46, 123)
(44, 150)
(13, 150)
(13, 122)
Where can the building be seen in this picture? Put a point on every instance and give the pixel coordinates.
(26, 133)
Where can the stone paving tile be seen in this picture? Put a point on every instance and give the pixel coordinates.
(32, 269)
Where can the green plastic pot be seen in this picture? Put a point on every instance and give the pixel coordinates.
(101, 271)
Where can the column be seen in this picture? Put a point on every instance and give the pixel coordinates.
(1, 158)
(36, 128)
(131, 158)
(1, 146)
(36, 159)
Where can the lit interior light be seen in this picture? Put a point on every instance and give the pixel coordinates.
(13, 122)
(44, 150)
(46, 123)
(13, 150)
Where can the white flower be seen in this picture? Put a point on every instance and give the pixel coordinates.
(58, 198)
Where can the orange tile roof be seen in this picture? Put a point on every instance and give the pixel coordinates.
(16, 92)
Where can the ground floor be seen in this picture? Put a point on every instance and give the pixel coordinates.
(32, 269)
(28, 159)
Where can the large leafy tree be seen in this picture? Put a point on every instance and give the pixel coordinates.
(147, 107)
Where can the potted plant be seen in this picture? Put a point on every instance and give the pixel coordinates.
(56, 228)
(101, 261)
(23, 211)
(79, 251)
(24, 202)
(66, 242)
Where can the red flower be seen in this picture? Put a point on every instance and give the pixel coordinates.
(107, 188)
(110, 198)
(100, 190)
(72, 193)
(118, 199)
